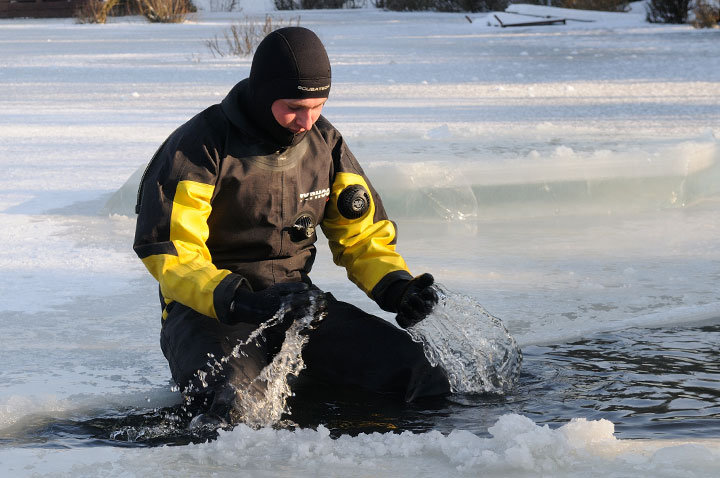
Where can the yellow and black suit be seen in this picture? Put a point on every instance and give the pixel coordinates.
(220, 207)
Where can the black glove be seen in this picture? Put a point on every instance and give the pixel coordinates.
(257, 307)
(417, 301)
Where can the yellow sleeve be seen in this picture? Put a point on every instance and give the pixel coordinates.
(184, 267)
(364, 246)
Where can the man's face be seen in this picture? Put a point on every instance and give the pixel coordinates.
(297, 116)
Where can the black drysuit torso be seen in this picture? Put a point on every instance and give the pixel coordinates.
(218, 203)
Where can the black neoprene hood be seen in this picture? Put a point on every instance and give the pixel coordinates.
(290, 63)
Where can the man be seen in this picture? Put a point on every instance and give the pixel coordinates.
(227, 211)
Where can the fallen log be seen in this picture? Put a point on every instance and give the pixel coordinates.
(557, 21)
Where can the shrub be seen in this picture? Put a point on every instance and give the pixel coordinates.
(317, 4)
(94, 11)
(405, 5)
(667, 11)
(242, 38)
(470, 5)
(706, 15)
(224, 5)
(601, 5)
(444, 5)
(166, 11)
(126, 7)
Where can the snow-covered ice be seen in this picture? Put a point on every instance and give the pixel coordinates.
(567, 177)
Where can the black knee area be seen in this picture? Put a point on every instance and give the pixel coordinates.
(355, 349)
(204, 355)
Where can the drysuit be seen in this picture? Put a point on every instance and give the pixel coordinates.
(230, 203)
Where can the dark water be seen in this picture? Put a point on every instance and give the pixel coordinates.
(651, 383)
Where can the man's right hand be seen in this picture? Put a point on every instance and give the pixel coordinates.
(257, 307)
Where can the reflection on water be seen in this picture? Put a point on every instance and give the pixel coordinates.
(651, 383)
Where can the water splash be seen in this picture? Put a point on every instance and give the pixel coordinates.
(262, 402)
(445, 191)
(472, 346)
(156, 426)
(457, 203)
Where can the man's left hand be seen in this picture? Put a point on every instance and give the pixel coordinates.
(418, 300)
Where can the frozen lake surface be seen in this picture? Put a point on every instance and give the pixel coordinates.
(566, 177)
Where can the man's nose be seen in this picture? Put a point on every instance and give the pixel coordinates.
(304, 119)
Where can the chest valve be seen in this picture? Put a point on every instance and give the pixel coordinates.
(304, 228)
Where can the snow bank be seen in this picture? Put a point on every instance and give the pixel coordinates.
(517, 448)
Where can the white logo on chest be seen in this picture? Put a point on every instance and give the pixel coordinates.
(319, 194)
